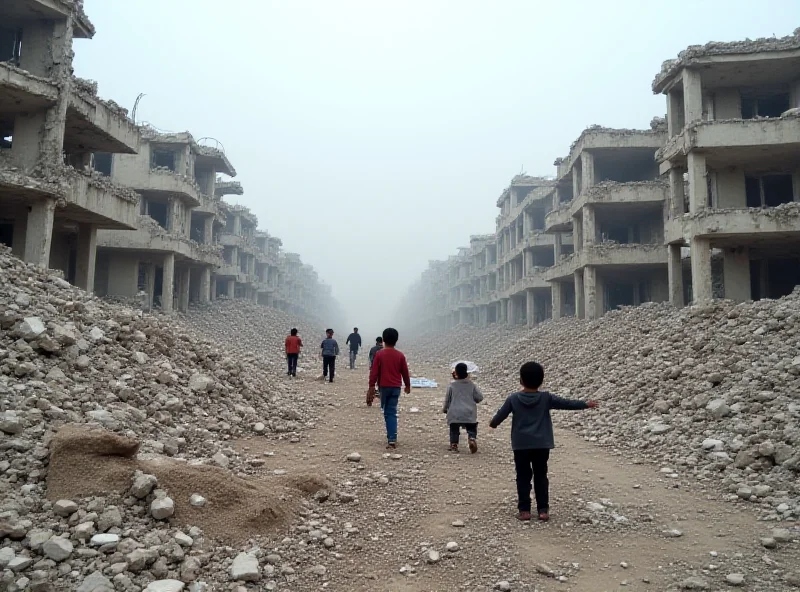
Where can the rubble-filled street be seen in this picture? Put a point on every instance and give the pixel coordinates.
(206, 468)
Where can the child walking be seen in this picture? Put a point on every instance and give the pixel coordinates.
(329, 350)
(389, 371)
(293, 345)
(461, 406)
(532, 436)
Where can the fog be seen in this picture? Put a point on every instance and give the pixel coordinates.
(373, 136)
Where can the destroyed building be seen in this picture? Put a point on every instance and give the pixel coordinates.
(733, 163)
(52, 203)
(702, 205)
(122, 210)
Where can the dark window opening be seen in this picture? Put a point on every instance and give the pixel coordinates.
(768, 191)
(752, 188)
(767, 106)
(622, 234)
(164, 159)
(537, 218)
(543, 258)
(158, 212)
(618, 294)
(7, 233)
(198, 230)
(158, 287)
(783, 275)
(102, 163)
(10, 45)
(141, 277)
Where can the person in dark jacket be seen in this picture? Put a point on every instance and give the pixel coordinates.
(354, 341)
(329, 351)
(532, 436)
(375, 349)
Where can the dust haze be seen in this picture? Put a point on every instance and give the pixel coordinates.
(373, 137)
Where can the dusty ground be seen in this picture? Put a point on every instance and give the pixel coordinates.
(405, 506)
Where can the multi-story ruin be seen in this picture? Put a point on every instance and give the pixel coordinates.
(702, 205)
(52, 203)
(733, 163)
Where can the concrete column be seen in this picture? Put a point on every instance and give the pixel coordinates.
(675, 272)
(577, 233)
(503, 311)
(231, 289)
(590, 291)
(692, 95)
(183, 299)
(237, 225)
(698, 186)
(205, 284)
(85, 259)
(675, 115)
(557, 246)
(736, 267)
(587, 171)
(676, 193)
(580, 307)
(512, 317)
(557, 296)
(208, 230)
(576, 183)
(150, 283)
(530, 306)
(589, 226)
(168, 282)
(39, 232)
(251, 265)
(701, 270)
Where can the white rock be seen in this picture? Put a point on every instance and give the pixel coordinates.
(197, 500)
(452, 547)
(102, 539)
(245, 568)
(201, 383)
(165, 586)
(162, 508)
(31, 328)
(735, 579)
(354, 457)
(65, 508)
(57, 549)
(96, 334)
(433, 557)
(143, 484)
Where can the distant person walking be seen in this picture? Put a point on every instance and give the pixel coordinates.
(389, 371)
(375, 349)
(329, 351)
(293, 346)
(354, 340)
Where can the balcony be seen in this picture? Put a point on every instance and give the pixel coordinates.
(559, 220)
(739, 226)
(97, 125)
(21, 91)
(608, 255)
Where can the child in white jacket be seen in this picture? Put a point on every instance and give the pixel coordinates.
(461, 406)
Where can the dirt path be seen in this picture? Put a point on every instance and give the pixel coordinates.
(405, 506)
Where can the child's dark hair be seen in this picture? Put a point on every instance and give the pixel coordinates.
(531, 375)
(328, 330)
(390, 336)
(293, 331)
(379, 340)
(461, 370)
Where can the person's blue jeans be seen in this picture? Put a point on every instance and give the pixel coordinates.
(353, 354)
(390, 397)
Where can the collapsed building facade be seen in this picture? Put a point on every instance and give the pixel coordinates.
(704, 204)
(123, 210)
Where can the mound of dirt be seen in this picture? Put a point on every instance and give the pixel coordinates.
(85, 462)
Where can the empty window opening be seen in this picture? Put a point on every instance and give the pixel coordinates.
(198, 229)
(10, 45)
(619, 294)
(622, 235)
(102, 163)
(765, 106)
(158, 212)
(773, 278)
(768, 191)
(537, 218)
(543, 258)
(6, 233)
(163, 159)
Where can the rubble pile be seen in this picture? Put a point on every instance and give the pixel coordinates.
(709, 391)
(71, 364)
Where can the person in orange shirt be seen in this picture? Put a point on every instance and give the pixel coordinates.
(293, 345)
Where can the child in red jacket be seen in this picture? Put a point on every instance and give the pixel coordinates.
(389, 371)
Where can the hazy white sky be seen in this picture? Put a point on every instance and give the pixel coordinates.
(372, 136)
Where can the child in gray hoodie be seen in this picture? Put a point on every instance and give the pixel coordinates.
(461, 406)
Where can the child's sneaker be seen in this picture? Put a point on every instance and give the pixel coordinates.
(391, 446)
(473, 446)
(524, 516)
(453, 447)
(544, 516)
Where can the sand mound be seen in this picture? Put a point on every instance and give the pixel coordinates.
(86, 462)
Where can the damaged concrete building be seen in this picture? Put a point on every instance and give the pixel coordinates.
(608, 203)
(52, 204)
(733, 163)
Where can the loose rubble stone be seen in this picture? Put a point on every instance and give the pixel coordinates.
(162, 508)
(245, 568)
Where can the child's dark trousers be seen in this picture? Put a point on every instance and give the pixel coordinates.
(532, 464)
(455, 429)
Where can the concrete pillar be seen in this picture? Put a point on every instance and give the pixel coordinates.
(183, 300)
(736, 268)
(557, 246)
(251, 265)
(589, 226)
(676, 192)
(512, 317)
(590, 292)
(503, 311)
(587, 171)
(577, 233)
(205, 284)
(85, 259)
(580, 307)
(692, 95)
(530, 307)
(208, 230)
(39, 232)
(675, 272)
(698, 186)
(576, 183)
(168, 282)
(701, 270)
(231, 289)
(557, 296)
(237, 225)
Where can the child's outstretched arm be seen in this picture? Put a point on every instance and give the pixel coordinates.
(477, 395)
(557, 402)
(501, 414)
